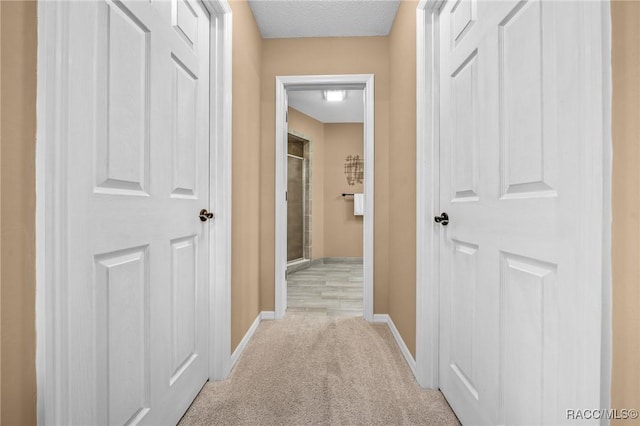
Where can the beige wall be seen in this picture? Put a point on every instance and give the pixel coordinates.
(18, 41)
(245, 234)
(335, 55)
(342, 230)
(313, 130)
(625, 389)
(402, 173)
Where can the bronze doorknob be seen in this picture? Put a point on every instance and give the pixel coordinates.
(205, 215)
(443, 219)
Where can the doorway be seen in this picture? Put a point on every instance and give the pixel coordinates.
(513, 218)
(133, 208)
(285, 85)
(329, 280)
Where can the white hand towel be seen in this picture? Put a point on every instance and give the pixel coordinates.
(358, 204)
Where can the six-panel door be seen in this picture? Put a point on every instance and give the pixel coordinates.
(139, 142)
(511, 175)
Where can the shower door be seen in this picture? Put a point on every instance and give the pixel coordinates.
(295, 207)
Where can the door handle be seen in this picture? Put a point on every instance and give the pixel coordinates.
(205, 215)
(443, 219)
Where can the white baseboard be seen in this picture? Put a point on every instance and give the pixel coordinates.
(386, 319)
(245, 340)
(267, 315)
(264, 315)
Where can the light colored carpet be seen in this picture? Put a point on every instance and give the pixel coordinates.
(315, 369)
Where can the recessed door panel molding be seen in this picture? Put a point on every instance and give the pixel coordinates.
(122, 331)
(185, 21)
(542, 225)
(133, 317)
(464, 101)
(122, 126)
(528, 340)
(516, 128)
(184, 293)
(185, 165)
(463, 16)
(132, 333)
(463, 307)
(527, 150)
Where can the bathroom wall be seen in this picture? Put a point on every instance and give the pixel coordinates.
(342, 230)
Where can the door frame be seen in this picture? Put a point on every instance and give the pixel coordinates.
(598, 158)
(312, 82)
(51, 197)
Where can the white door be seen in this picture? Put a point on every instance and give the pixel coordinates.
(520, 341)
(139, 150)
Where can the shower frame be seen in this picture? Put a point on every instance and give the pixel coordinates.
(307, 191)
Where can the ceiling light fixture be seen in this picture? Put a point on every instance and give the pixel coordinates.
(334, 95)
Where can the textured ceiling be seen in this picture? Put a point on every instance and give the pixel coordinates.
(312, 103)
(324, 18)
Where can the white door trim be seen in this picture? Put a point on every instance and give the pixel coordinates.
(427, 195)
(598, 217)
(308, 82)
(220, 174)
(51, 196)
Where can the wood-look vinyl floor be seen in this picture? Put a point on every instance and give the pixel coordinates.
(333, 289)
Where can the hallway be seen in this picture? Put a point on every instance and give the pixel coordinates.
(141, 254)
(311, 368)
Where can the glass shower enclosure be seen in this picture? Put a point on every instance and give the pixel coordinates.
(297, 199)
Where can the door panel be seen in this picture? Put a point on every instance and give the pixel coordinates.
(185, 20)
(122, 89)
(464, 164)
(184, 304)
(184, 165)
(463, 295)
(512, 183)
(463, 15)
(139, 143)
(527, 156)
(122, 325)
(527, 311)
